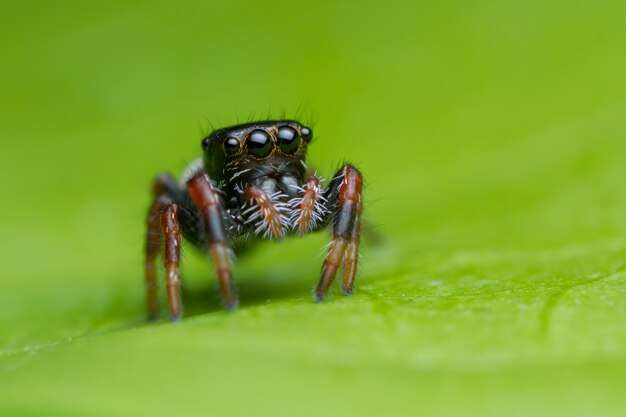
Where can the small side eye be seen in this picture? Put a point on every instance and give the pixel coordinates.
(288, 140)
(259, 143)
(307, 134)
(231, 146)
(205, 143)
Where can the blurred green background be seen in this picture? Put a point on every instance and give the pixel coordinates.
(493, 139)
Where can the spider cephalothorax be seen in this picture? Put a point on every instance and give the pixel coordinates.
(252, 183)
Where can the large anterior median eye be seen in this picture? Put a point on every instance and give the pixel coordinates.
(288, 140)
(259, 144)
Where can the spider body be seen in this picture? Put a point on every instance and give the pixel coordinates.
(252, 183)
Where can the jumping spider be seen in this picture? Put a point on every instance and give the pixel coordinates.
(252, 183)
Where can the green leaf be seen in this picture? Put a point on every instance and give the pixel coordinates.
(493, 140)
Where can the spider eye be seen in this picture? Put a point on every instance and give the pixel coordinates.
(288, 140)
(307, 134)
(205, 143)
(259, 143)
(231, 146)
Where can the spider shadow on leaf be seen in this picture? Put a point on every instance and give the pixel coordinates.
(263, 287)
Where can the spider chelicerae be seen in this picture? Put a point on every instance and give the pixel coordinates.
(252, 183)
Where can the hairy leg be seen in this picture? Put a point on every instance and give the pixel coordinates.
(163, 187)
(208, 201)
(345, 198)
(171, 258)
(352, 253)
(266, 214)
(309, 209)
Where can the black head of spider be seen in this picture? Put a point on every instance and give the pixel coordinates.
(253, 151)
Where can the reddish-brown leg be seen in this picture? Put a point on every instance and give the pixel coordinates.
(269, 211)
(352, 254)
(171, 258)
(153, 240)
(162, 186)
(331, 265)
(206, 198)
(349, 184)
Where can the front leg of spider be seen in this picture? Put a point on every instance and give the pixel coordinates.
(163, 229)
(206, 198)
(344, 199)
(265, 213)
